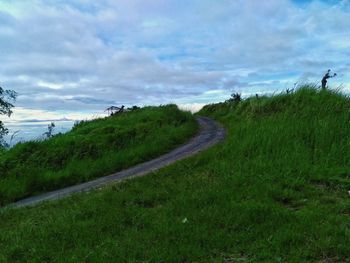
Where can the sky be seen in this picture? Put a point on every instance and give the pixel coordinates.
(71, 59)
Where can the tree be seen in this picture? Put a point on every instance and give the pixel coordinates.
(235, 97)
(114, 110)
(7, 97)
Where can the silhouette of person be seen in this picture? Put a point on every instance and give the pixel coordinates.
(325, 77)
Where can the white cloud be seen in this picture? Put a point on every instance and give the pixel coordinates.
(22, 114)
(192, 107)
(81, 55)
(50, 85)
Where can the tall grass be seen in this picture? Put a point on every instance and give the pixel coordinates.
(275, 191)
(92, 149)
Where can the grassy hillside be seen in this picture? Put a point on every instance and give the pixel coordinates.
(275, 191)
(92, 149)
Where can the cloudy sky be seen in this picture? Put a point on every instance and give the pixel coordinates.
(73, 58)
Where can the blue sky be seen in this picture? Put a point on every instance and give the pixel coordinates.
(72, 59)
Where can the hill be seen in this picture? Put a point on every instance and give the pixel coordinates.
(275, 191)
(92, 149)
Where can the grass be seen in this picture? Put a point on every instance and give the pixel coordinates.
(275, 191)
(92, 149)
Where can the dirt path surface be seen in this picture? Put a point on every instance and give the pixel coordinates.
(210, 133)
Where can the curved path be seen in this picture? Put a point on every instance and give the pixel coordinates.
(210, 133)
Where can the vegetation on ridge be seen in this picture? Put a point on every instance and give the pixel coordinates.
(275, 191)
(92, 149)
(7, 97)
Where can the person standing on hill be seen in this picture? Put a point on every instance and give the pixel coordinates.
(325, 77)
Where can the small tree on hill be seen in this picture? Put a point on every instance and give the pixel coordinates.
(7, 97)
(236, 97)
(112, 110)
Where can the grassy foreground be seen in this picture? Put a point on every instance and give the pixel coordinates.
(275, 191)
(92, 149)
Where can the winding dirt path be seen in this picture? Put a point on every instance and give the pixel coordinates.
(210, 133)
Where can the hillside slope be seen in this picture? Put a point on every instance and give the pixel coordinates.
(92, 149)
(275, 191)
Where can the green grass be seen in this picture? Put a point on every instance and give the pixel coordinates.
(92, 149)
(275, 191)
